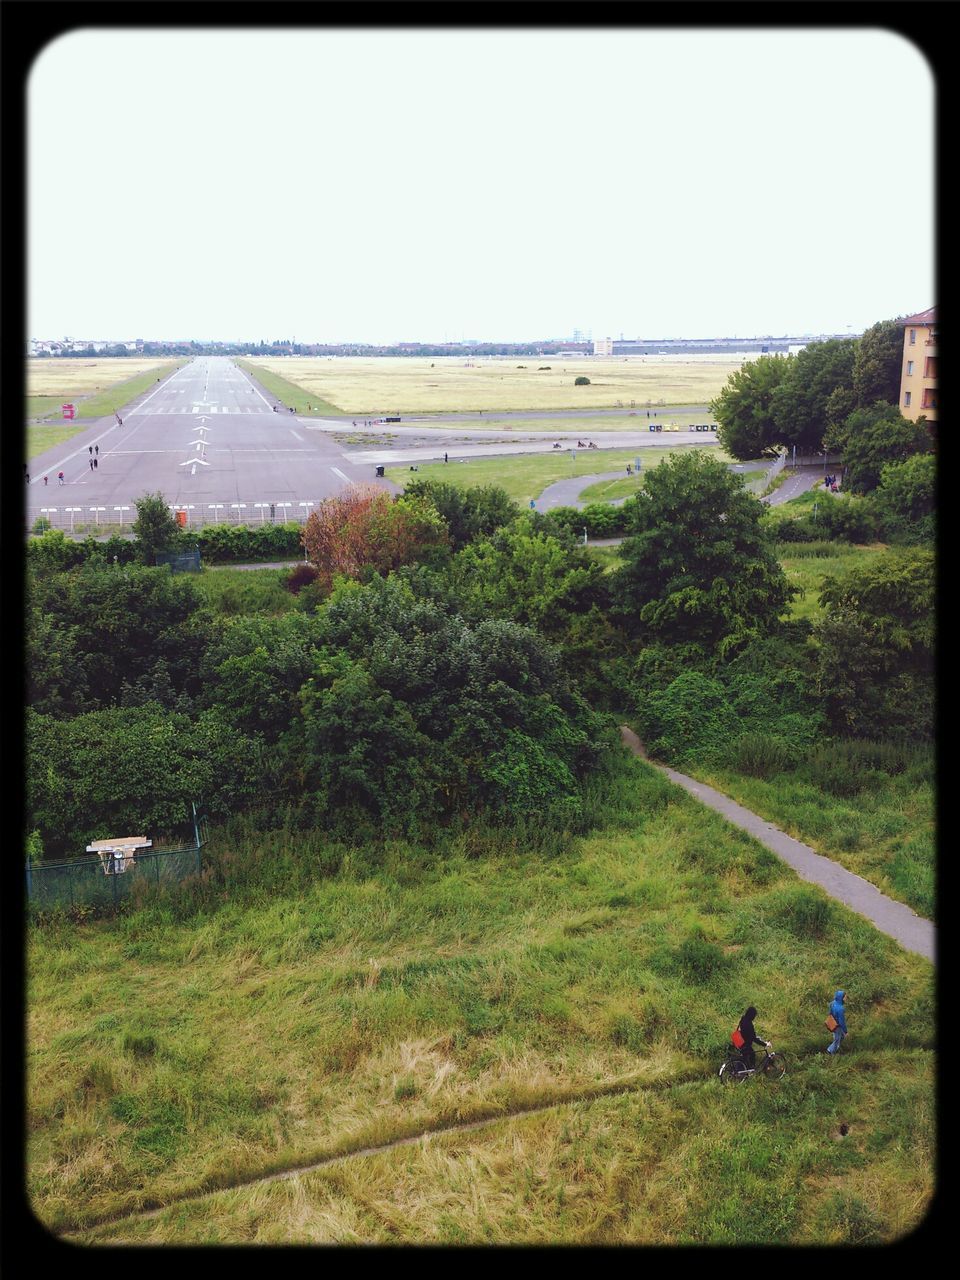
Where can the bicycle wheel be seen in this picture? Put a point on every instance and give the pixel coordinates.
(777, 1067)
(733, 1071)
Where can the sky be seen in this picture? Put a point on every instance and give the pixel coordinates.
(429, 185)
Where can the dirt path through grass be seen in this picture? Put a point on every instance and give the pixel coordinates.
(610, 1089)
(890, 917)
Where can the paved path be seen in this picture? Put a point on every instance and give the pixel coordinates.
(890, 917)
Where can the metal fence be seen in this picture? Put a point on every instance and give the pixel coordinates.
(76, 519)
(88, 881)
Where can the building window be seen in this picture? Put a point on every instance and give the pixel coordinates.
(913, 337)
(929, 400)
(906, 399)
(930, 368)
(909, 368)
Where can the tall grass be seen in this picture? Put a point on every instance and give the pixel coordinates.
(310, 999)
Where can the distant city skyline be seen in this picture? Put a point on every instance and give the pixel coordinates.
(437, 184)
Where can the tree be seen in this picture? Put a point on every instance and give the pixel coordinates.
(877, 364)
(800, 405)
(363, 528)
(870, 438)
(876, 647)
(155, 527)
(701, 569)
(581, 382)
(745, 425)
(126, 634)
(469, 513)
(906, 496)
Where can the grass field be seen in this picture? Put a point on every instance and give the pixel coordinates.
(96, 387)
(625, 486)
(308, 1015)
(807, 564)
(526, 476)
(388, 385)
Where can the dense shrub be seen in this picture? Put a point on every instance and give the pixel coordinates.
(761, 755)
(237, 544)
(598, 518)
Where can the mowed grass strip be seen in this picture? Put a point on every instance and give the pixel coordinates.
(410, 990)
(689, 1164)
(371, 386)
(525, 476)
(96, 387)
(291, 394)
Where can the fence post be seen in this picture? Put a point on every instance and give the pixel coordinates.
(115, 891)
(29, 881)
(196, 829)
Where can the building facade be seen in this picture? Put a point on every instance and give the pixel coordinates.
(918, 374)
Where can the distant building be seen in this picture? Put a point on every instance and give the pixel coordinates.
(795, 348)
(603, 347)
(918, 374)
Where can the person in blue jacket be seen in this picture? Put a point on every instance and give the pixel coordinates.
(837, 1010)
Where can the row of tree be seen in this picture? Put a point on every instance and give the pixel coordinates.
(823, 397)
(450, 655)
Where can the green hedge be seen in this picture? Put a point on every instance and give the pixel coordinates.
(232, 544)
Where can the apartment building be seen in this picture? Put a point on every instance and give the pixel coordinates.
(918, 375)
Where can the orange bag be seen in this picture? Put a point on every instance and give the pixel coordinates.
(831, 1023)
(737, 1038)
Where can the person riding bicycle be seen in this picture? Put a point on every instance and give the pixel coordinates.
(750, 1038)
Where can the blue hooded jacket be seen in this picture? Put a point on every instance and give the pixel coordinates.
(837, 1010)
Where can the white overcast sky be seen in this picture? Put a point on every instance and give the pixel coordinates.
(503, 185)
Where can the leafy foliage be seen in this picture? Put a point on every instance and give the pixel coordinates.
(363, 528)
(743, 409)
(876, 648)
(870, 438)
(799, 404)
(700, 570)
(155, 527)
(468, 513)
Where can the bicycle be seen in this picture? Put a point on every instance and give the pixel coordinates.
(735, 1070)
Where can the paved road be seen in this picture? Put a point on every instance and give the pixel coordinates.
(206, 434)
(913, 932)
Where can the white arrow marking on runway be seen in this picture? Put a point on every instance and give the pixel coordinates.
(194, 463)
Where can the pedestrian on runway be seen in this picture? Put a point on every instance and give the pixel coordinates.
(91, 464)
(96, 450)
(60, 476)
(95, 464)
(26, 476)
(445, 458)
(44, 480)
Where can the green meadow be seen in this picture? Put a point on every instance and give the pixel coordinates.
(307, 1000)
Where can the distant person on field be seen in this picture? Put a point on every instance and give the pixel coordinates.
(44, 480)
(839, 1014)
(750, 1038)
(60, 476)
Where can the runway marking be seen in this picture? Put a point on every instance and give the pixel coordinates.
(337, 472)
(295, 436)
(163, 386)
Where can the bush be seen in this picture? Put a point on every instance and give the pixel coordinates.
(299, 577)
(761, 755)
(698, 960)
(806, 912)
(581, 382)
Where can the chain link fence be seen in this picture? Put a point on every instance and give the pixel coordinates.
(94, 881)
